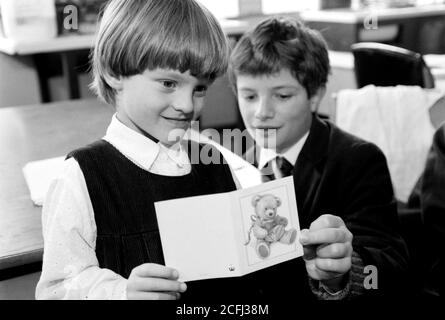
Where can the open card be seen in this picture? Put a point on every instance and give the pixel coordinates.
(230, 234)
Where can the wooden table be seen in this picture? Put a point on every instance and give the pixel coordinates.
(31, 133)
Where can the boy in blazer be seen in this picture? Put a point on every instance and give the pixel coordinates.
(344, 195)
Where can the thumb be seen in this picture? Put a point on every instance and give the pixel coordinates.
(304, 236)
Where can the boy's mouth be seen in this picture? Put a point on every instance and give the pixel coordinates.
(179, 121)
(266, 129)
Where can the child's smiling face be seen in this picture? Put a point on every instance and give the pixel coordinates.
(160, 101)
(276, 104)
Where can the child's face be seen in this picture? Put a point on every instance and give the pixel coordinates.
(160, 101)
(278, 102)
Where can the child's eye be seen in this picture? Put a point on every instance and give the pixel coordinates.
(249, 97)
(169, 84)
(201, 91)
(284, 96)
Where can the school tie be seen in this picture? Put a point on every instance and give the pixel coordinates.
(284, 166)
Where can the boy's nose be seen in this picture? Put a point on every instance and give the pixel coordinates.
(264, 110)
(184, 103)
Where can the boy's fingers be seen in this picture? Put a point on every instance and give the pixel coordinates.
(326, 221)
(334, 250)
(340, 266)
(159, 285)
(329, 235)
(149, 270)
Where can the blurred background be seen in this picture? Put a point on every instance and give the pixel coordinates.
(43, 60)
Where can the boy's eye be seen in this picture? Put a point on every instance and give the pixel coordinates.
(249, 97)
(201, 90)
(283, 96)
(169, 84)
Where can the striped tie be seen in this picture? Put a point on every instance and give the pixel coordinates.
(284, 166)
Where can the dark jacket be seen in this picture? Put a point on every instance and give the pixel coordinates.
(340, 174)
(432, 202)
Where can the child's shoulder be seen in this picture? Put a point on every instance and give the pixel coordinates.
(97, 147)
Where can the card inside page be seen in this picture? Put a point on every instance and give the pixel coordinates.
(249, 204)
(197, 236)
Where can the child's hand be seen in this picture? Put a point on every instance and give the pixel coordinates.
(154, 282)
(327, 250)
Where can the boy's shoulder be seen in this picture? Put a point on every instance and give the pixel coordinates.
(346, 147)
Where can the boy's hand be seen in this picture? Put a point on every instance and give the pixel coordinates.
(327, 249)
(154, 282)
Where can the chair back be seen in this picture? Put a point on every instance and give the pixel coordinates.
(385, 65)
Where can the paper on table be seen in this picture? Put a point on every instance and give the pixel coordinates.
(205, 236)
(38, 176)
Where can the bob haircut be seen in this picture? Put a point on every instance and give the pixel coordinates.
(279, 43)
(136, 35)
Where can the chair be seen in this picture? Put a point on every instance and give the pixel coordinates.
(384, 65)
(412, 228)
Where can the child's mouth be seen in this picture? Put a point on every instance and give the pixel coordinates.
(181, 122)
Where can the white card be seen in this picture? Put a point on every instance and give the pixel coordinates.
(230, 234)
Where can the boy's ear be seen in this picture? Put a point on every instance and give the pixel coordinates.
(115, 83)
(316, 98)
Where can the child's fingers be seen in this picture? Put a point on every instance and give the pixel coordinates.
(154, 296)
(334, 250)
(328, 235)
(339, 266)
(326, 221)
(159, 285)
(149, 270)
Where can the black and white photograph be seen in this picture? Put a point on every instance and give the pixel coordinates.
(237, 158)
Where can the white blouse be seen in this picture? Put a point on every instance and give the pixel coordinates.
(70, 266)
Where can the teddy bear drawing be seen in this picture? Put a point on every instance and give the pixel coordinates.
(267, 226)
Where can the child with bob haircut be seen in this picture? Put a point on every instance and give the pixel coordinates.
(153, 61)
(345, 201)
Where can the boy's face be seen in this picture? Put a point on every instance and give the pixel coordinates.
(160, 101)
(276, 101)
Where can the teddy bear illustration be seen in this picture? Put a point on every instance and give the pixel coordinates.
(267, 226)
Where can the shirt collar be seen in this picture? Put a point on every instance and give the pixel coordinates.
(136, 147)
(290, 155)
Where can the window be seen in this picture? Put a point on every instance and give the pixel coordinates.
(222, 9)
(283, 6)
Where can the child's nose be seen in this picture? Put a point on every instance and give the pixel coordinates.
(264, 109)
(184, 103)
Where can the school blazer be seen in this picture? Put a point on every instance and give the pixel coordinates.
(432, 200)
(340, 174)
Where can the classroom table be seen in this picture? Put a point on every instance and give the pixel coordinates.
(31, 133)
